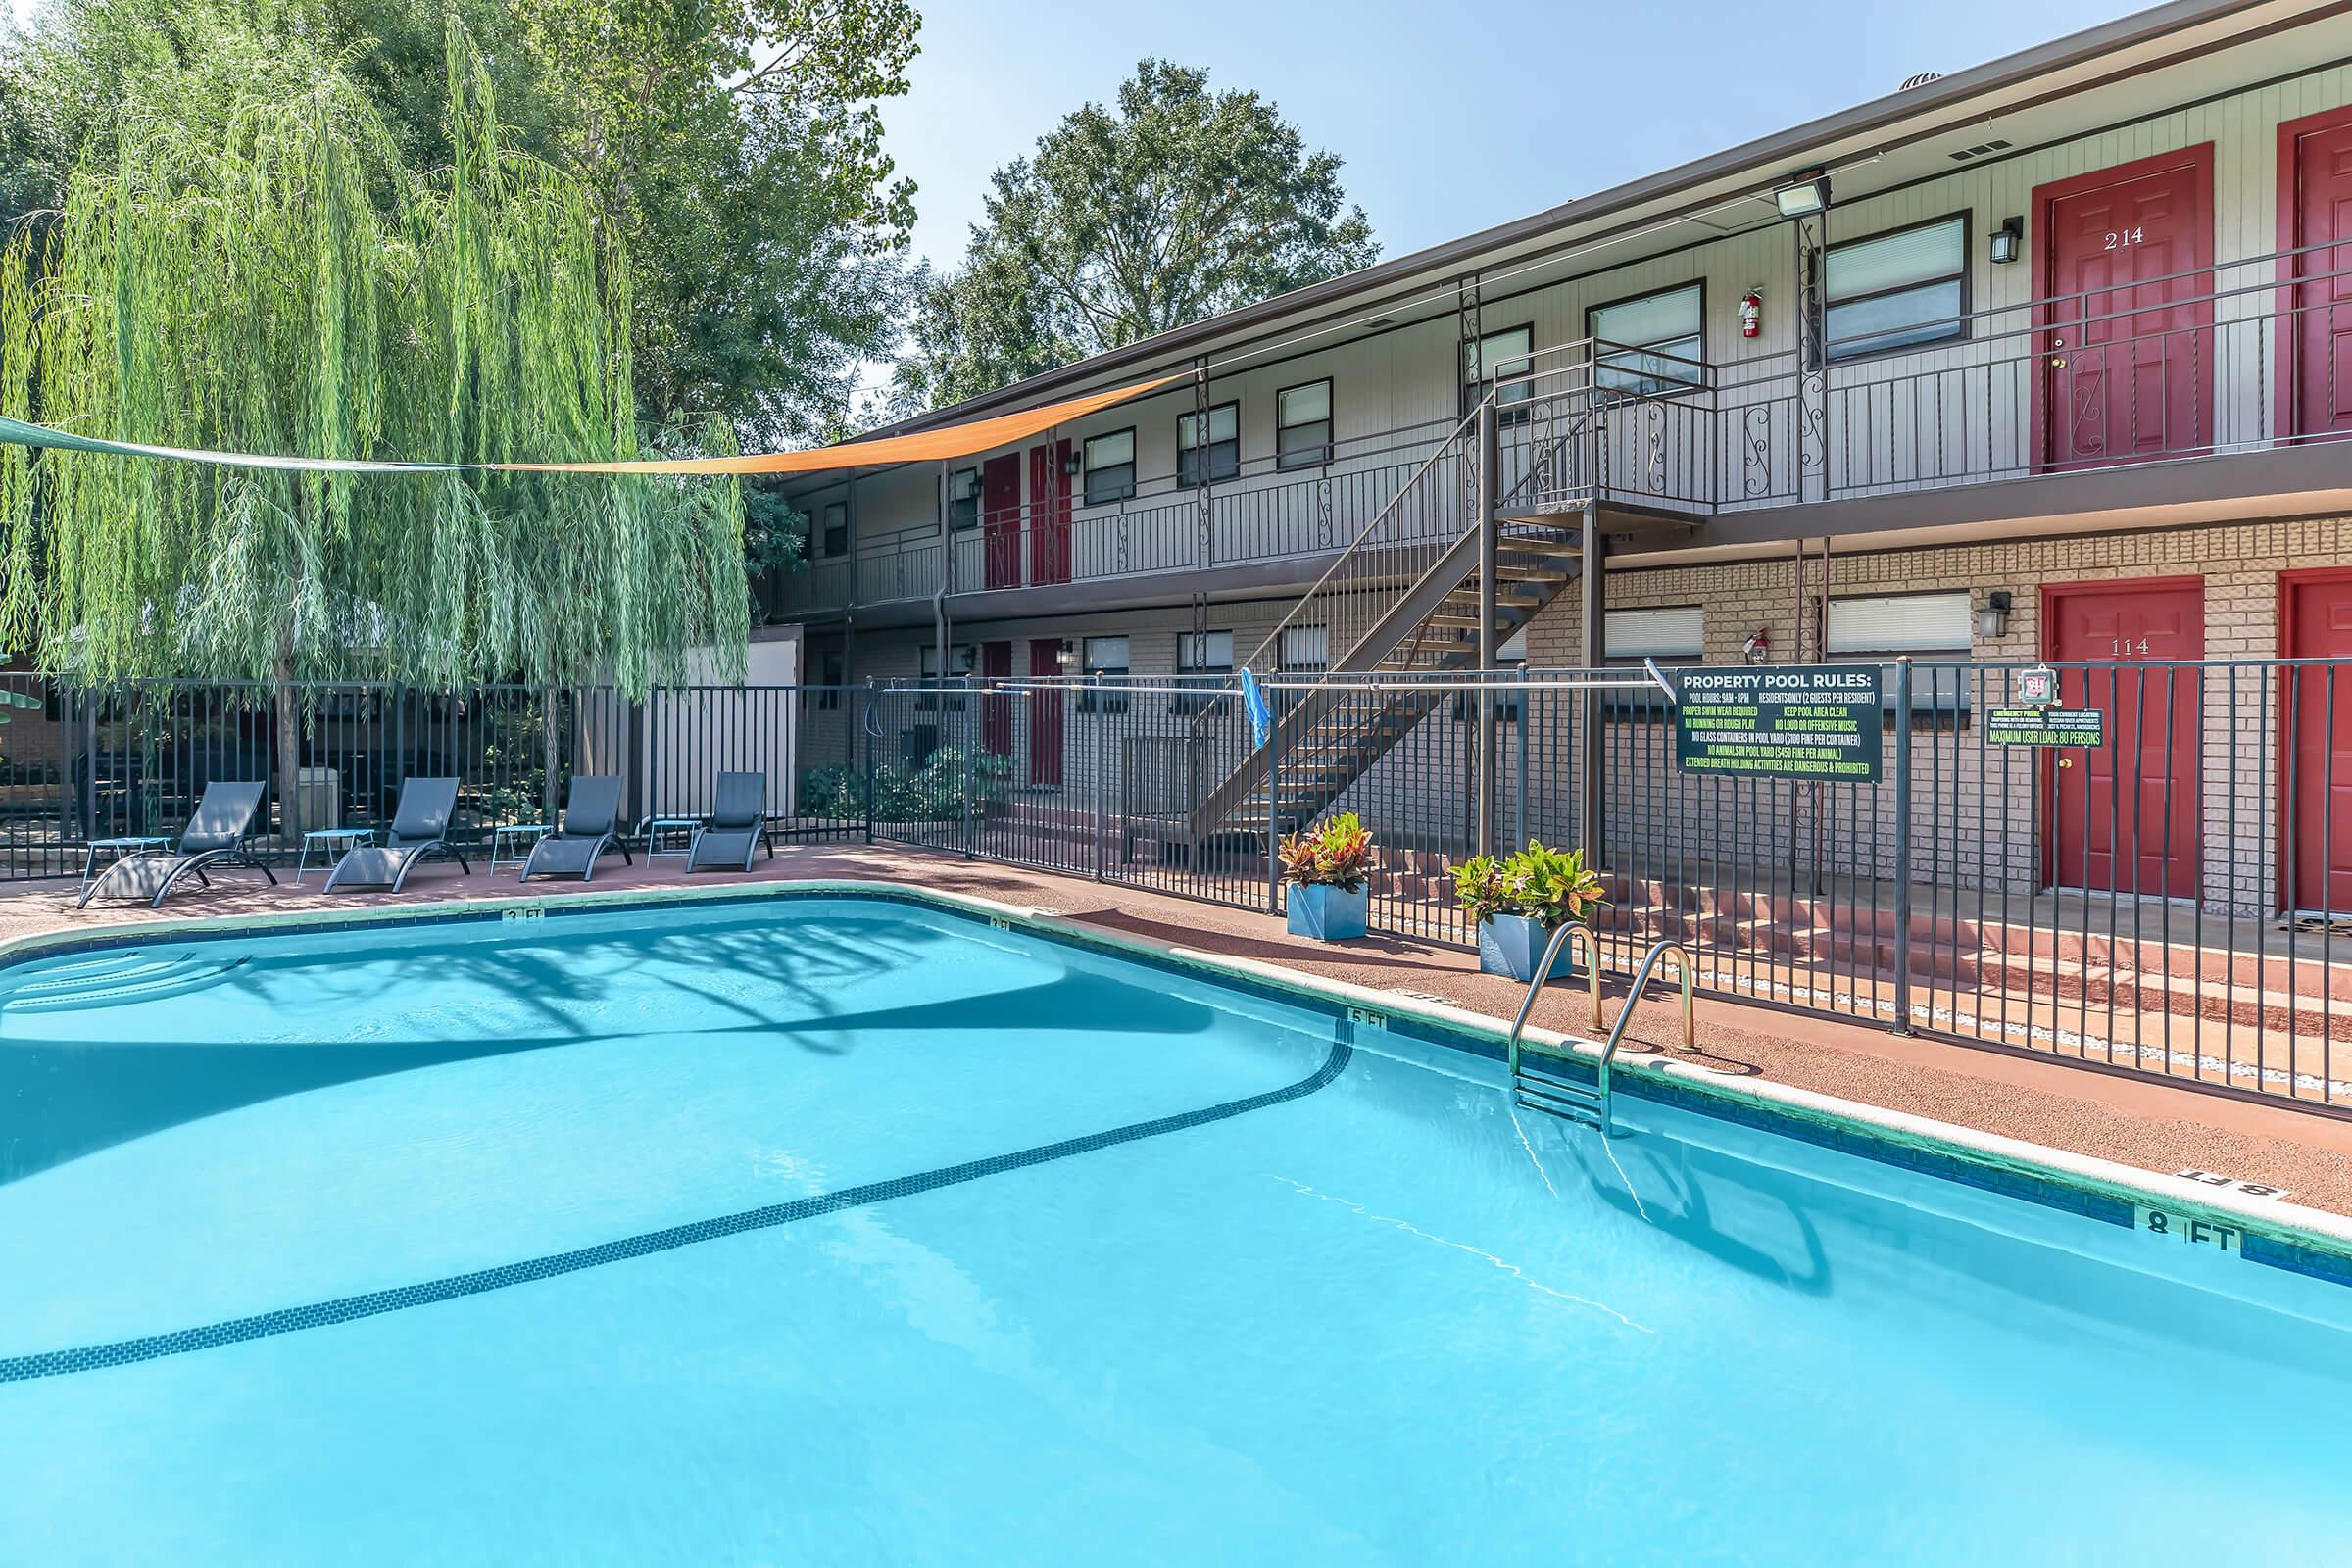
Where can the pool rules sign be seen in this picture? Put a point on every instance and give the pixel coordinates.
(1823, 722)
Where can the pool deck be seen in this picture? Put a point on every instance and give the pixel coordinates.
(2135, 1121)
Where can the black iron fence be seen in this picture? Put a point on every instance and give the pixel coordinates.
(2175, 899)
(82, 765)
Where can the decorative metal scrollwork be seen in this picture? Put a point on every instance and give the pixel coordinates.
(1323, 511)
(1755, 474)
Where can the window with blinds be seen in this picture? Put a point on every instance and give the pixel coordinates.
(1655, 343)
(1900, 623)
(1678, 632)
(1899, 290)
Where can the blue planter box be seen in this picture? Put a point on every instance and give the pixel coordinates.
(1327, 913)
(1513, 944)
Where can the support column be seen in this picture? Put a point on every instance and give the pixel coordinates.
(1592, 654)
(1489, 640)
(946, 564)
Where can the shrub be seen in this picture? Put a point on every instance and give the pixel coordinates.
(930, 793)
(1551, 885)
(1336, 852)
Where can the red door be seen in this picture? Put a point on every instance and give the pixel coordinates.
(1049, 534)
(2126, 329)
(2315, 811)
(1045, 715)
(1001, 522)
(2315, 229)
(2125, 816)
(996, 713)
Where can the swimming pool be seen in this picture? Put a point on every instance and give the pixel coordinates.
(833, 1229)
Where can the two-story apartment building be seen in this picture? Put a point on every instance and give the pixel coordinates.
(2042, 359)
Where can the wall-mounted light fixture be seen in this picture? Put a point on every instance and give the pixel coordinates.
(1069, 463)
(1806, 194)
(1993, 620)
(1066, 655)
(2009, 240)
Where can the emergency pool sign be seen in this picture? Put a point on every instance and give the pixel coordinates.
(1821, 722)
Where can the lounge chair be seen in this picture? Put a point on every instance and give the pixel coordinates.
(736, 826)
(420, 828)
(216, 836)
(591, 826)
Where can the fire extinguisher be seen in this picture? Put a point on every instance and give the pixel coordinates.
(1751, 312)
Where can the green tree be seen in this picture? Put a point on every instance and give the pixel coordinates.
(732, 148)
(270, 275)
(1177, 205)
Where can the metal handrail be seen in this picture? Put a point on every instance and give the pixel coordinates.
(1625, 1015)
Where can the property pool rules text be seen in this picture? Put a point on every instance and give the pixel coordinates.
(1808, 721)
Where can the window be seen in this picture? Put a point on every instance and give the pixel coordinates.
(1899, 290)
(1670, 636)
(1204, 653)
(1302, 425)
(963, 499)
(1109, 466)
(1655, 343)
(837, 528)
(829, 669)
(1224, 445)
(1875, 628)
(1304, 647)
(1105, 656)
(962, 659)
(1499, 359)
(1900, 623)
(1203, 658)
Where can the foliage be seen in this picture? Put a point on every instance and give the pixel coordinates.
(269, 275)
(1336, 852)
(1180, 203)
(1551, 885)
(934, 792)
(731, 148)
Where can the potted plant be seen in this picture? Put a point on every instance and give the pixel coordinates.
(1327, 868)
(1520, 899)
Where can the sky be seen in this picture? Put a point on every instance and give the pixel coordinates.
(1451, 117)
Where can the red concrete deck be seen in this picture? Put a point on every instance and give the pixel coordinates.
(2135, 1121)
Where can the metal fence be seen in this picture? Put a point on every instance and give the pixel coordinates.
(2173, 901)
(2176, 900)
(81, 765)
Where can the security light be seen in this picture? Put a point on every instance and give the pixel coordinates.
(1807, 195)
(2008, 239)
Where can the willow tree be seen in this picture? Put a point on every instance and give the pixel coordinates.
(271, 279)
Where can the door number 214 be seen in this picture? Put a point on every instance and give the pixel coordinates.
(2118, 238)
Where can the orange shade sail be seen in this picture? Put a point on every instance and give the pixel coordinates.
(927, 445)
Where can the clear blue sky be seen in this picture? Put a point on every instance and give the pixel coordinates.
(1450, 117)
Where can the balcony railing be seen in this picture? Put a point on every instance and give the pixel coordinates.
(2234, 357)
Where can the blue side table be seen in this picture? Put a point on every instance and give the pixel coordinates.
(341, 840)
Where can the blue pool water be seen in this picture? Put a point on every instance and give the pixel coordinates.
(838, 1231)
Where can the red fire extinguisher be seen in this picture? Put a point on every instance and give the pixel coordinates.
(1751, 312)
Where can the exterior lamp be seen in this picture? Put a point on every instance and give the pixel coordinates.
(1066, 655)
(1993, 620)
(2008, 239)
(1805, 196)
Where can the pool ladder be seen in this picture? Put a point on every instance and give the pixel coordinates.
(1541, 1089)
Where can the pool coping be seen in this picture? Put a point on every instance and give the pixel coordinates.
(2275, 1231)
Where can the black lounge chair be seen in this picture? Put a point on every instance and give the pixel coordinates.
(216, 836)
(420, 828)
(736, 826)
(591, 826)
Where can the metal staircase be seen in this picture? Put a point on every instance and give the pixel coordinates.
(1403, 598)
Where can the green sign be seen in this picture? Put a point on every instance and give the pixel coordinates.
(1810, 721)
(2046, 726)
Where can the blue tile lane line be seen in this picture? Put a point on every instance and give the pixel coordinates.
(348, 1308)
